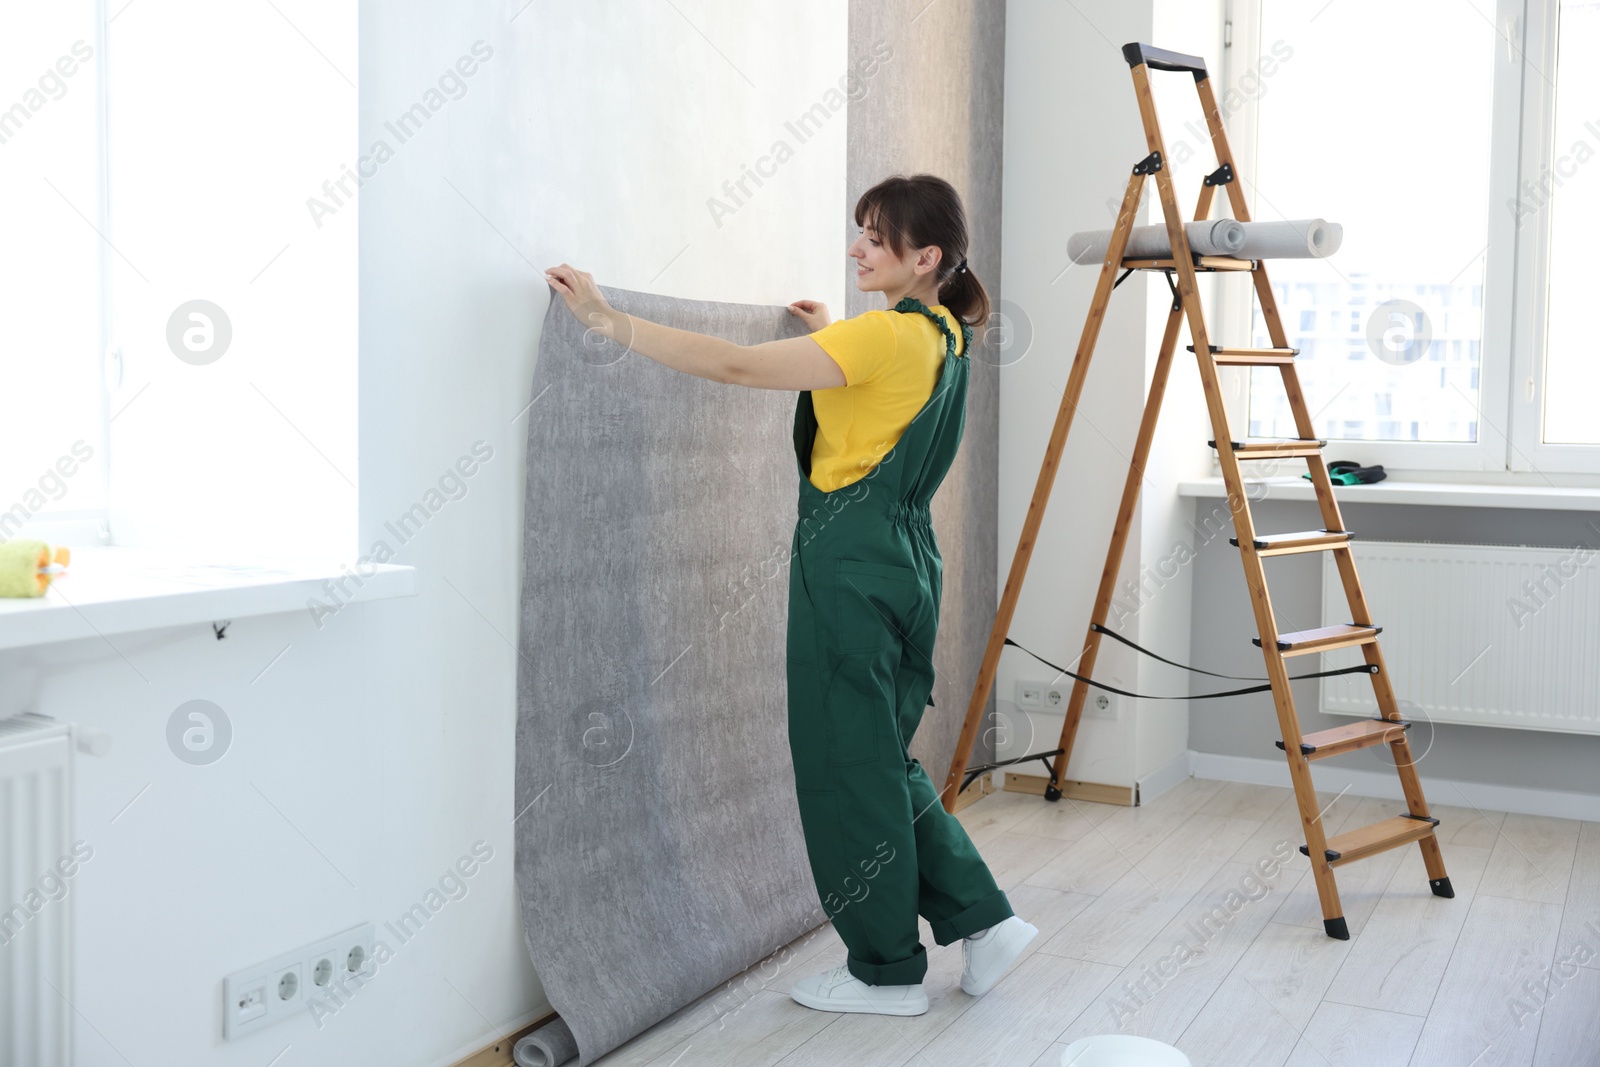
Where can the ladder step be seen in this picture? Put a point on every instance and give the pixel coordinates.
(1281, 448)
(1282, 544)
(1250, 357)
(1379, 837)
(1201, 263)
(1349, 738)
(1323, 638)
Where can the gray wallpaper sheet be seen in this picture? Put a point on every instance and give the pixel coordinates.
(658, 845)
(937, 106)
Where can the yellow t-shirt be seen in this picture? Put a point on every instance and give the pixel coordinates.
(891, 361)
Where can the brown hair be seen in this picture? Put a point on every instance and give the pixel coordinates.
(923, 210)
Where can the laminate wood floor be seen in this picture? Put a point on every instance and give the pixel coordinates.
(1193, 920)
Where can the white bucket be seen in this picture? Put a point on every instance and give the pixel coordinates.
(1121, 1050)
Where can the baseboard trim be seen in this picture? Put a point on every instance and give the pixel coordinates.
(1164, 778)
(1386, 785)
(975, 791)
(1142, 791)
(1098, 792)
(497, 1052)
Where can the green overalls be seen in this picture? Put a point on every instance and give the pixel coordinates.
(865, 579)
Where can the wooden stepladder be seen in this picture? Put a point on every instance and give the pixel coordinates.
(1277, 648)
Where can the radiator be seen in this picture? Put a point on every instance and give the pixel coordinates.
(1487, 635)
(36, 920)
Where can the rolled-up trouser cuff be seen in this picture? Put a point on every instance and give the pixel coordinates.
(908, 971)
(985, 913)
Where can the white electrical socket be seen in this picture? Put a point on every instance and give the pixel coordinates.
(249, 1001)
(1054, 698)
(281, 987)
(1042, 696)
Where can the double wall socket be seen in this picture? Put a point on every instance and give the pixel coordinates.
(1038, 696)
(275, 990)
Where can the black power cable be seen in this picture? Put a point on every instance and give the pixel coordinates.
(1052, 792)
(1361, 668)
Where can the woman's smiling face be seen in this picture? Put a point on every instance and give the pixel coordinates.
(877, 268)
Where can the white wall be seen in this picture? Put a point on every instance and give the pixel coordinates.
(369, 755)
(1179, 450)
(1073, 134)
(596, 137)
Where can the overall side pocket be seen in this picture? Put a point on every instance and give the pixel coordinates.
(872, 605)
(873, 602)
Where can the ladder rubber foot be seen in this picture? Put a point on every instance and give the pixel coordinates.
(1052, 793)
(1336, 928)
(1441, 887)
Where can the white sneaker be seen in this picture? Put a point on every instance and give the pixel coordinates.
(986, 954)
(839, 990)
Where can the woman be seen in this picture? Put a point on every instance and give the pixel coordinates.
(880, 415)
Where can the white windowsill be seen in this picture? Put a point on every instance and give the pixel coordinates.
(124, 590)
(1398, 491)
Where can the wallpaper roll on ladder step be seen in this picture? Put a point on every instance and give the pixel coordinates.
(1213, 237)
(1289, 239)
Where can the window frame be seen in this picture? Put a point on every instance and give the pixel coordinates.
(1514, 285)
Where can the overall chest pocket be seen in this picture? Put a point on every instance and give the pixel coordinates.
(874, 603)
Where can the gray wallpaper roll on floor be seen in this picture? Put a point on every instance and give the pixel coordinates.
(658, 845)
(549, 1046)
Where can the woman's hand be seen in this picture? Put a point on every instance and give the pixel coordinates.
(583, 299)
(811, 312)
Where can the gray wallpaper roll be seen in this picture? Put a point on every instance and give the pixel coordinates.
(1290, 239)
(1287, 239)
(1212, 237)
(658, 843)
(549, 1046)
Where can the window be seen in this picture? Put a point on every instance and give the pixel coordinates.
(1558, 214)
(1453, 146)
(52, 434)
(179, 274)
(1574, 205)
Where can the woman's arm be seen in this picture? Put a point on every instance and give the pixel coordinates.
(793, 363)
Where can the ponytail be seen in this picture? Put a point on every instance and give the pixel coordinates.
(964, 294)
